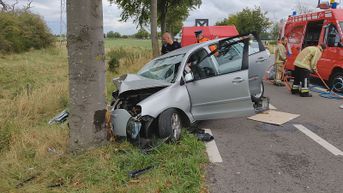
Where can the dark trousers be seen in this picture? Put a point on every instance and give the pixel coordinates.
(300, 74)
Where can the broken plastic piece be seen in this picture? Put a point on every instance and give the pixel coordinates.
(204, 137)
(60, 118)
(136, 173)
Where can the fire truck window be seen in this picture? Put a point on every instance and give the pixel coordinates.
(296, 35)
(333, 37)
(313, 33)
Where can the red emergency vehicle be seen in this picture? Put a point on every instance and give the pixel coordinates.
(210, 32)
(313, 29)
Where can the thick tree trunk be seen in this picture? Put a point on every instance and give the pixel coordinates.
(154, 35)
(86, 74)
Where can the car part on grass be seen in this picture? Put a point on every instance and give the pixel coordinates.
(137, 173)
(60, 118)
(21, 184)
(206, 137)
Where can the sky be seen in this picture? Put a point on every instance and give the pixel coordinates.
(214, 10)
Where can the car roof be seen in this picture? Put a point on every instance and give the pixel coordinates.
(186, 49)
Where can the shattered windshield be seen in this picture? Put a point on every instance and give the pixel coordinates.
(162, 69)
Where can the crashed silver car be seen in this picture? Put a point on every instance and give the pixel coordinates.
(191, 84)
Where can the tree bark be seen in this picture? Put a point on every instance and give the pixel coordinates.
(86, 74)
(164, 10)
(154, 35)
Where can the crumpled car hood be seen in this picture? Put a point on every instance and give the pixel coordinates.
(130, 82)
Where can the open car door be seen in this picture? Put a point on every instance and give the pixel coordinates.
(221, 89)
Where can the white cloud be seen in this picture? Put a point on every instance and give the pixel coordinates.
(214, 10)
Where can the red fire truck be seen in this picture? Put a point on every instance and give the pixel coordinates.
(315, 28)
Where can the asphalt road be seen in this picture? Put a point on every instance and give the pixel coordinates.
(262, 158)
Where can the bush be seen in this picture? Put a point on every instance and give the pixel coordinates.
(22, 30)
(112, 34)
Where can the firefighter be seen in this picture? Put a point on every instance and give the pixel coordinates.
(280, 59)
(200, 39)
(305, 64)
(168, 43)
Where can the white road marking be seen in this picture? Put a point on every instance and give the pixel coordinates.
(319, 140)
(212, 150)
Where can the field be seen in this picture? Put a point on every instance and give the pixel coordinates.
(33, 155)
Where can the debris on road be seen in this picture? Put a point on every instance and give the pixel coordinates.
(60, 118)
(341, 106)
(274, 117)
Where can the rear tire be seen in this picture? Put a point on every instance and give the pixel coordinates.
(336, 82)
(257, 97)
(170, 124)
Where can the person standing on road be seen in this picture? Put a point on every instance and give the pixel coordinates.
(168, 43)
(280, 59)
(305, 64)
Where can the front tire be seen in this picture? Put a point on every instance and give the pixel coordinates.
(170, 124)
(336, 82)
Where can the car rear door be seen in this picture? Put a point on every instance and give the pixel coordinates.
(223, 91)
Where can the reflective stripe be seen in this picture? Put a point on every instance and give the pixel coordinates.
(295, 87)
(304, 90)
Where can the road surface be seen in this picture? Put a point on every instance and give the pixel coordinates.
(262, 158)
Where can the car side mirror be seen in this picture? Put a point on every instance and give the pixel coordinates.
(189, 77)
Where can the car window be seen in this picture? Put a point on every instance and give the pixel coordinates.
(231, 60)
(162, 69)
(201, 65)
(333, 37)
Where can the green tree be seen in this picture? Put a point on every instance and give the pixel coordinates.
(248, 20)
(139, 11)
(142, 34)
(112, 34)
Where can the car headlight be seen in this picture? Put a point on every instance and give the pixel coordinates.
(133, 128)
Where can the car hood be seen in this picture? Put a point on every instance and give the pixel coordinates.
(130, 82)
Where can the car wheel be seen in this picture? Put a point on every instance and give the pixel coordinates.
(337, 82)
(170, 124)
(257, 97)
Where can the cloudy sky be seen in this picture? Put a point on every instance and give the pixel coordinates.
(214, 10)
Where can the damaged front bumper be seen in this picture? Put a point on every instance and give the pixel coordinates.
(124, 125)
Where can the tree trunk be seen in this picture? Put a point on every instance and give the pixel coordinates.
(86, 74)
(154, 35)
(164, 10)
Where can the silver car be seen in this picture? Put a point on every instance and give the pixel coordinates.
(190, 84)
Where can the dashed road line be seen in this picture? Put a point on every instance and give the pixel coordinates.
(319, 140)
(212, 150)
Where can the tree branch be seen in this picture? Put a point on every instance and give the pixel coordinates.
(4, 5)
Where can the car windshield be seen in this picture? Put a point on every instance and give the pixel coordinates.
(162, 69)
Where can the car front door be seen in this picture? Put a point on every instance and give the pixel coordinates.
(220, 91)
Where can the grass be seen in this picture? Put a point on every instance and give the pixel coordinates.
(33, 88)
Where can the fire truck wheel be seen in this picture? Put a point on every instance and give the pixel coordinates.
(337, 81)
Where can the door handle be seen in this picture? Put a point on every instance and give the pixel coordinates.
(237, 80)
(261, 59)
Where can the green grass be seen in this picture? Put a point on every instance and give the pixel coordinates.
(114, 43)
(34, 87)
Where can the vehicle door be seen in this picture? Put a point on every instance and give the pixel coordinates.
(333, 54)
(259, 60)
(220, 91)
(295, 34)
